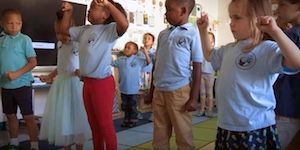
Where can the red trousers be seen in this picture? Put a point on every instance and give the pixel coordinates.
(98, 96)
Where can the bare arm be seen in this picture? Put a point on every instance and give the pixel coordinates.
(202, 24)
(12, 75)
(67, 8)
(290, 52)
(195, 87)
(147, 56)
(47, 78)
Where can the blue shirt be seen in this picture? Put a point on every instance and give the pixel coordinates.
(129, 73)
(95, 45)
(151, 53)
(176, 48)
(14, 54)
(244, 92)
(287, 87)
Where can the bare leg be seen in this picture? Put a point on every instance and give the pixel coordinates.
(13, 124)
(79, 147)
(32, 127)
(67, 147)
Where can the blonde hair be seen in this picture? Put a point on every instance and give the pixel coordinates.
(255, 9)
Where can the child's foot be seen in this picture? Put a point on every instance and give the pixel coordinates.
(140, 116)
(124, 124)
(13, 147)
(151, 118)
(200, 113)
(131, 124)
(210, 114)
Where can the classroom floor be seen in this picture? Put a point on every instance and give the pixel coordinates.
(140, 137)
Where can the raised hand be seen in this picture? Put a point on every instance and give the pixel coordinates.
(267, 24)
(101, 2)
(203, 22)
(66, 7)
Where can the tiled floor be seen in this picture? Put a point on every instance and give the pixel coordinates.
(204, 135)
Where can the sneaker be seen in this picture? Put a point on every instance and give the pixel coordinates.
(210, 114)
(200, 113)
(151, 118)
(131, 124)
(124, 124)
(140, 116)
(13, 147)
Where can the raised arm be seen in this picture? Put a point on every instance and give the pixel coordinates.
(290, 52)
(148, 60)
(202, 24)
(67, 8)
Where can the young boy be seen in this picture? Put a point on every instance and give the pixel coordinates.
(175, 96)
(17, 59)
(129, 67)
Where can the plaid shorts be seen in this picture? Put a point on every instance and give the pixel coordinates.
(261, 139)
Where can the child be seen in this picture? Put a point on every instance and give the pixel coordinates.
(248, 69)
(175, 96)
(207, 83)
(64, 120)
(129, 67)
(286, 87)
(146, 74)
(17, 59)
(96, 41)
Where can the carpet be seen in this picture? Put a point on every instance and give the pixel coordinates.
(43, 144)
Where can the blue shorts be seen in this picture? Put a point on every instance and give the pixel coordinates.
(261, 139)
(12, 98)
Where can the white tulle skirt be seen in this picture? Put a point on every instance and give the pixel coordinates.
(65, 121)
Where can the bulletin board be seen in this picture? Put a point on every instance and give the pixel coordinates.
(143, 16)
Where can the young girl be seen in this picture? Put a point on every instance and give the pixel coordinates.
(64, 120)
(146, 74)
(248, 69)
(286, 87)
(207, 83)
(96, 41)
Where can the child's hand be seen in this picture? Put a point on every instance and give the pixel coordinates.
(101, 2)
(77, 72)
(44, 78)
(143, 49)
(267, 24)
(191, 105)
(202, 23)
(148, 99)
(11, 75)
(67, 7)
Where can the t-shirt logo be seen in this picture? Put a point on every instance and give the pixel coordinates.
(133, 64)
(75, 51)
(245, 61)
(93, 38)
(180, 41)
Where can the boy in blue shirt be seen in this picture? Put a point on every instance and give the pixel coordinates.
(175, 96)
(17, 59)
(129, 67)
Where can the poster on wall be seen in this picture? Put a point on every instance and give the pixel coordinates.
(139, 18)
(151, 21)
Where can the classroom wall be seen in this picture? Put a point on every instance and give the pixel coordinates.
(217, 10)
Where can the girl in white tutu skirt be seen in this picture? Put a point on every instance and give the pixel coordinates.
(65, 121)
